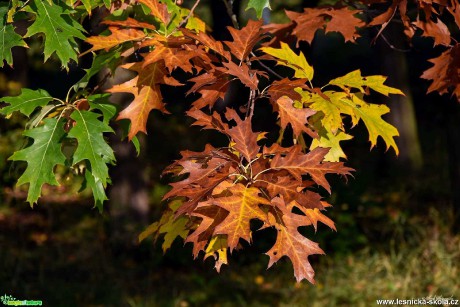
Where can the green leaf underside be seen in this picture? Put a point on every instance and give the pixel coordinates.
(41, 157)
(259, 6)
(97, 188)
(88, 130)
(26, 102)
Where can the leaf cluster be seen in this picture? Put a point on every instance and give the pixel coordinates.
(219, 192)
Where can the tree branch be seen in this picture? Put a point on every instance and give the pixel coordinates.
(229, 6)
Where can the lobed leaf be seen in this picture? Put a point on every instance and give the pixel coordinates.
(26, 102)
(88, 131)
(41, 157)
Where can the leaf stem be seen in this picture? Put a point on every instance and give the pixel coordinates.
(184, 21)
(261, 172)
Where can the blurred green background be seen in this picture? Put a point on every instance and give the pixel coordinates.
(397, 219)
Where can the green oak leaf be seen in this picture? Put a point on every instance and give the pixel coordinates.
(259, 6)
(88, 130)
(101, 60)
(41, 157)
(97, 187)
(59, 28)
(8, 37)
(26, 102)
(101, 102)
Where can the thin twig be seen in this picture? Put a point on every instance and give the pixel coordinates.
(183, 22)
(231, 14)
(251, 94)
(251, 103)
(268, 68)
(393, 47)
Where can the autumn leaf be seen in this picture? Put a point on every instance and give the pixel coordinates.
(290, 243)
(297, 118)
(147, 95)
(211, 86)
(355, 80)
(210, 216)
(345, 22)
(286, 87)
(340, 20)
(243, 136)
(243, 74)
(330, 108)
(329, 140)
(169, 225)
(307, 23)
(371, 115)
(130, 23)
(297, 164)
(444, 72)
(437, 30)
(217, 248)
(172, 57)
(117, 36)
(157, 9)
(245, 39)
(208, 42)
(289, 58)
(243, 206)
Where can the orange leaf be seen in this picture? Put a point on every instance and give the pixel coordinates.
(296, 117)
(147, 95)
(117, 37)
(290, 243)
(437, 30)
(245, 39)
(445, 73)
(243, 136)
(157, 9)
(243, 206)
(298, 164)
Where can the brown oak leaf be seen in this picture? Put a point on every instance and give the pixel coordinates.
(243, 206)
(157, 9)
(117, 37)
(147, 95)
(289, 114)
(445, 73)
(245, 39)
(437, 30)
(243, 136)
(290, 242)
(297, 164)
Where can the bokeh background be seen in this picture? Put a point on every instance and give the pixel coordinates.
(397, 219)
